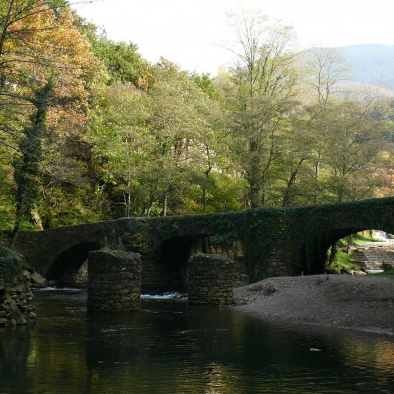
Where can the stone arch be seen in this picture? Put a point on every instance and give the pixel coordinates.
(318, 246)
(64, 269)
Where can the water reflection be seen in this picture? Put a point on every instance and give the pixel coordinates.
(170, 347)
(14, 351)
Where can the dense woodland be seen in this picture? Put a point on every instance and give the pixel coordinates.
(89, 130)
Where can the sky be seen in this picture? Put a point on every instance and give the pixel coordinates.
(191, 33)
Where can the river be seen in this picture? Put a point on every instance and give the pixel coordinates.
(171, 347)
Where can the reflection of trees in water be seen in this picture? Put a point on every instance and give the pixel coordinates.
(173, 347)
(169, 346)
(57, 361)
(14, 351)
(385, 358)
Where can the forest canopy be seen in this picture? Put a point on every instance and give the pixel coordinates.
(90, 130)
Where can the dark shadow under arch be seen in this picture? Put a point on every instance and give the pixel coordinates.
(64, 269)
(168, 272)
(174, 257)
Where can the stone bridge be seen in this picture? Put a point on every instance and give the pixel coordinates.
(266, 241)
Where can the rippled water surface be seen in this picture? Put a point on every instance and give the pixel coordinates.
(170, 347)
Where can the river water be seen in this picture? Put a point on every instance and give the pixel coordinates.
(171, 347)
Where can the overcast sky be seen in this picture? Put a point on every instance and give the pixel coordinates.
(188, 32)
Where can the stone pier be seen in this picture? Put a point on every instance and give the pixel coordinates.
(114, 281)
(210, 279)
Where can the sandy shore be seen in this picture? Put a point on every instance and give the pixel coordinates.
(357, 302)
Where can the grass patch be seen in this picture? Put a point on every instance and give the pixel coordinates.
(386, 273)
(321, 280)
(363, 239)
(344, 261)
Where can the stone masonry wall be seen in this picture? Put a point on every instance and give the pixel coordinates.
(16, 305)
(210, 279)
(114, 281)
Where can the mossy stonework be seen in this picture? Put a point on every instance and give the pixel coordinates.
(114, 281)
(273, 241)
(16, 298)
(210, 280)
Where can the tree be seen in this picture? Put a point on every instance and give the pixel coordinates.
(350, 150)
(44, 70)
(324, 69)
(260, 92)
(121, 141)
(158, 143)
(121, 60)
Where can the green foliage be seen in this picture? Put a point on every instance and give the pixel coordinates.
(161, 141)
(343, 260)
(138, 244)
(67, 205)
(206, 84)
(154, 145)
(121, 60)
(361, 239)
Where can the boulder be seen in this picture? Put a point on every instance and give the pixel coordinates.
(26, 274)
(38, 280)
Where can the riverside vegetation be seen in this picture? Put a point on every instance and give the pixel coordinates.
(91, 131)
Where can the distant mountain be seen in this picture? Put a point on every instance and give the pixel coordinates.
(372, 64)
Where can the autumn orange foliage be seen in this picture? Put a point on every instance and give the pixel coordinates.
(43, 45)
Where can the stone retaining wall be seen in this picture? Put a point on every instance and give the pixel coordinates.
(114, 281)
(210, 279)
(16, 305)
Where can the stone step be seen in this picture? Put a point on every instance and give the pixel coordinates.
(371, 257)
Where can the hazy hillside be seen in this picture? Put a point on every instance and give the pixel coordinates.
(372, 64)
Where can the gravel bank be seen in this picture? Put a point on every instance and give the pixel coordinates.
(357, 302)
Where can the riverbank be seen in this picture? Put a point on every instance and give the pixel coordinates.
(356, 302)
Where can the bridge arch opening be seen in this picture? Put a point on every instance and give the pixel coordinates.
(168, 272)
(66, 268)
(366, 251)
(323, 254)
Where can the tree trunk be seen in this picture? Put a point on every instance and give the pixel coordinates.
(27, 168)
(349, 243)
(204, 190)
(332, 255)
(254, 175)
(290, 183)
(165, 205)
